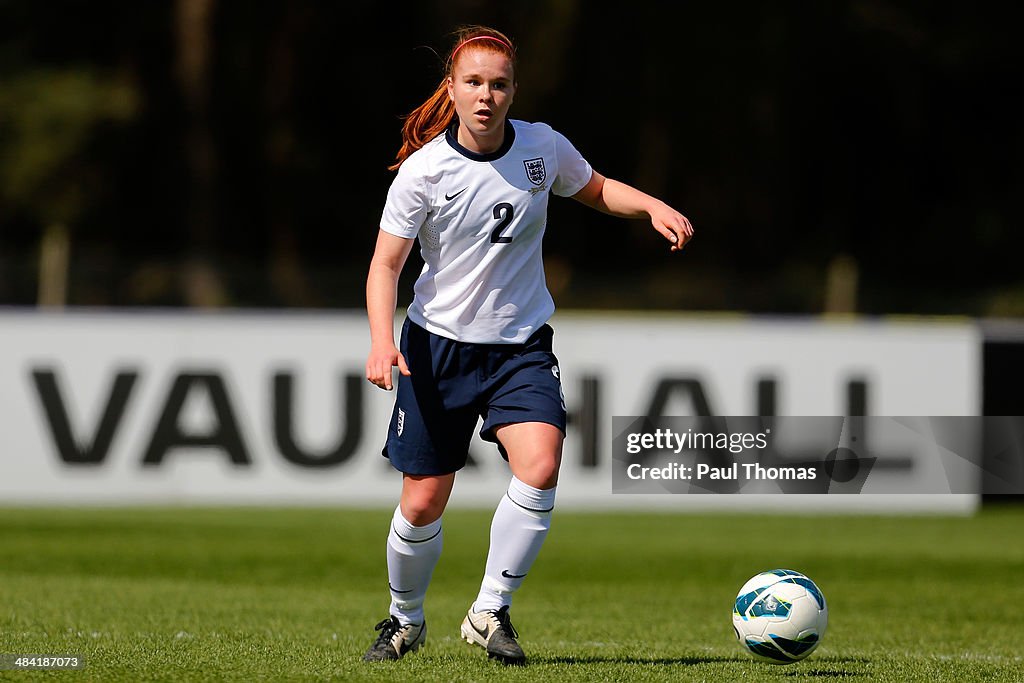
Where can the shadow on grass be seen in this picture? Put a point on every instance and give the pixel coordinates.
(694, 661)
(824, 673)
(627, 659)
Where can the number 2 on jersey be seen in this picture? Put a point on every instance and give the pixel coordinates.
(502, 212)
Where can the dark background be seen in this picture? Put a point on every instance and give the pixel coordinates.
(848, 156)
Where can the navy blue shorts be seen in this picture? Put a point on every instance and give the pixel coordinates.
(454, 383)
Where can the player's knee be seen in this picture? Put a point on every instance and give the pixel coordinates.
(421, 509)
(542, 474)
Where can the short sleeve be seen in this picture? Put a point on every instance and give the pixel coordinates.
(406, 206)
(573, 170)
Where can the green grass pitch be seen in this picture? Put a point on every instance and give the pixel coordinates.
(293, 594)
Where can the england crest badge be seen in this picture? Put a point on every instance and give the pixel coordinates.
(535, 170)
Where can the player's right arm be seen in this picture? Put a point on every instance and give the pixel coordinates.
(389, 257)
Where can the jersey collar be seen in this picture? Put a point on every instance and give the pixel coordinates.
(452, 136)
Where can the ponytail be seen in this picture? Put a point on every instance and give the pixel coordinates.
(431, 118)
(425, 123)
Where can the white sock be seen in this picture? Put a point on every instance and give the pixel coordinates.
(518, 530)
(412, 553)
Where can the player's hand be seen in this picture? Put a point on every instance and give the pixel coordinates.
(674, 226)
(382, 359)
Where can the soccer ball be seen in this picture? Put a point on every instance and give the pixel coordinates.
(780, 616)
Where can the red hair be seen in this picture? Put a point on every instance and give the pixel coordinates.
(430, 119)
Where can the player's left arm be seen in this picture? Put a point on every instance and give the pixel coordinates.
(619, 199)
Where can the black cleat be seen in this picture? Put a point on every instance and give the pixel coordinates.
(395, 640)
(493, 631)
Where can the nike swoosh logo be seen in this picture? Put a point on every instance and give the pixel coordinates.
(450, 197)
(504, 572)
(395, 590)
(483, 633)
(407, 646)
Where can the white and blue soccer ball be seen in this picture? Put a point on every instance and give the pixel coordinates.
(780, 616)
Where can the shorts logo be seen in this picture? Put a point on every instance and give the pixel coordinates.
(561, 392)
(401, 421)
(535, 170)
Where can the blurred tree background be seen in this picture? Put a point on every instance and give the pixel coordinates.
(848, 156)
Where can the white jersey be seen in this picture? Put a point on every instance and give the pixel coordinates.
(480, 219)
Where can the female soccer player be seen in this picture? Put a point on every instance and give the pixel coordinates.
(473, 186)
